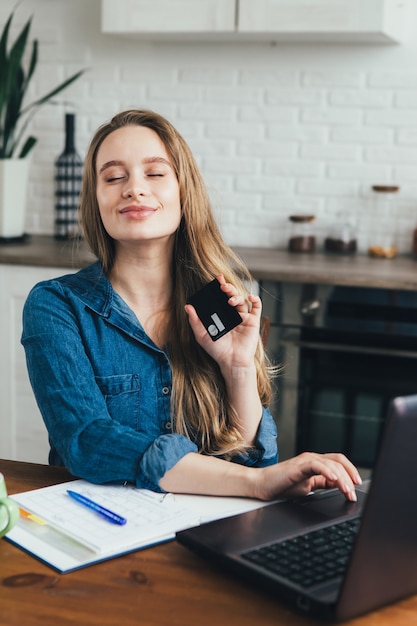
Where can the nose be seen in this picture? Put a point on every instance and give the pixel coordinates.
(134, 188)
(132, 192)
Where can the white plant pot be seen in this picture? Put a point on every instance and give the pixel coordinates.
(14, 174)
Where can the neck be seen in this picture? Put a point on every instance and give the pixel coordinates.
(144, 270)
(144, 280)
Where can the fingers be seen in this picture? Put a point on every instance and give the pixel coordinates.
(256, 305)
(307, 472)
(195, 322)
(251, 304)
(235, 298)
(336, 470)
(348, 466)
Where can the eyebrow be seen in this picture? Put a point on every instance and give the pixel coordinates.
(152, 159)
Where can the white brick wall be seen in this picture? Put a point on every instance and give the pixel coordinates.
(276, 129)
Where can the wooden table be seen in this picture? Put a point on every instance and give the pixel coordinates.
(165, 585)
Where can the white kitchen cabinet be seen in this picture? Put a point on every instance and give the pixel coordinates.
(339, 21)
(167, 16)
(23, 436)
(378, 21)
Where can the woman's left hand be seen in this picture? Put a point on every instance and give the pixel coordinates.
(237, 347)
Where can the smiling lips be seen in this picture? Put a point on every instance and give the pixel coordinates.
(139, 211)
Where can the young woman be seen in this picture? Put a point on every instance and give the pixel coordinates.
(129, 383)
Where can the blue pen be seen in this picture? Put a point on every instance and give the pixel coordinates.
(90, 504)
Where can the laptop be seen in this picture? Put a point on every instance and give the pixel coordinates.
(326, 557)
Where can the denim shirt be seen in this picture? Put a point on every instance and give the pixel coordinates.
(104, 388)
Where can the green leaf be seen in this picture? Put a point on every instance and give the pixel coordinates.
(3, 60)
(11, 86)
(28, 145)
(54, 92)
(4, 63)
(12, 113)
(32, 64)
(15, 58)
(14, 83)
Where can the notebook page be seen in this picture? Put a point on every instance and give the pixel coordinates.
(149, 515)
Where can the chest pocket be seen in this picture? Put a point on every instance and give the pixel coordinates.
(122, 396)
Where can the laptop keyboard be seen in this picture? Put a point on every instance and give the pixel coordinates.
(309, 559)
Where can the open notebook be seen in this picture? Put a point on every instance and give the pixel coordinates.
(66, 535)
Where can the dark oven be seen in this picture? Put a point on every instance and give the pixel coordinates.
(345, 351)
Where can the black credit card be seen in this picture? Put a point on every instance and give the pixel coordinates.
(211, 305)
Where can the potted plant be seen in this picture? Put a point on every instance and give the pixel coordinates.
(15, 116)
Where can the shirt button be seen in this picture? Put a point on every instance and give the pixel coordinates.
(168, 425)
(165, 391)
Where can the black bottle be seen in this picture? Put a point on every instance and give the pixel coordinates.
(68, 176)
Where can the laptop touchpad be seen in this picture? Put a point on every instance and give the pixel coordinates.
(332, 504)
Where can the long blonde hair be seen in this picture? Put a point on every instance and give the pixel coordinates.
(200, 404)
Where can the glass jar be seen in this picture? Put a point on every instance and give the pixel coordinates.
(341, 238)
(382, 240)
(302, 237)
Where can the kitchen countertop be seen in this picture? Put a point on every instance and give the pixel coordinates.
(264, 263)
(46, 251)
(359, 270)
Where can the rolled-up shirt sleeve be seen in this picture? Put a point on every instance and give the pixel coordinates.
(265, 449)
(160, 457)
